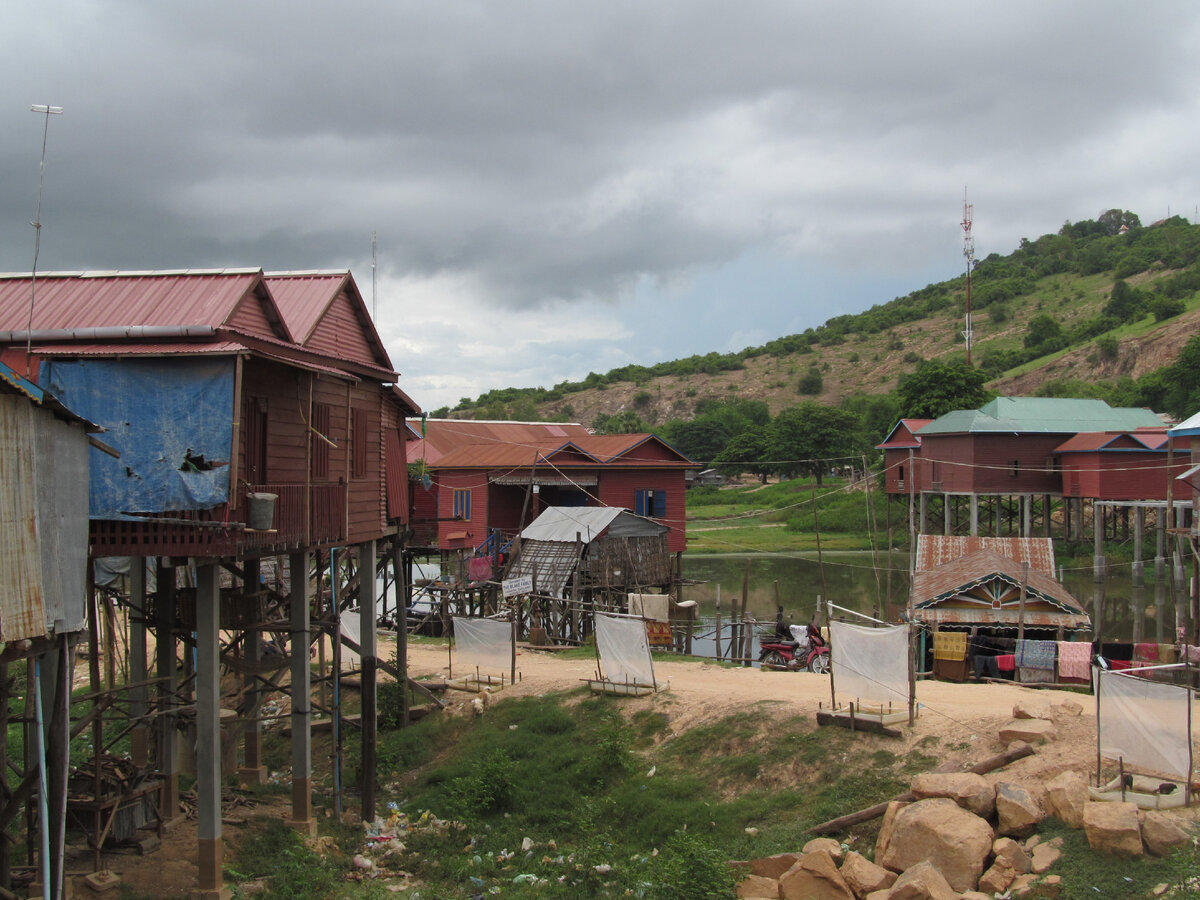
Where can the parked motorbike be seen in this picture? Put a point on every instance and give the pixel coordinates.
(793, 655)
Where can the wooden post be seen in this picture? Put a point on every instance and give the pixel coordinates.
(912, 677)
(400, 562)
(740, 644)
(720, 655)
(369, 656)
(168, 681)
(299, 601)
(208, 732)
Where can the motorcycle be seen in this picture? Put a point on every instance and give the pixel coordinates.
(793, 655)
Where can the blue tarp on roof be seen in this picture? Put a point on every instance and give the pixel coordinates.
(169, 419)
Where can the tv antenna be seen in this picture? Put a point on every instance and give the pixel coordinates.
(47, 111)
(969, 253)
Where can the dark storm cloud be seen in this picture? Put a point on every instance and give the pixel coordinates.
(529, 153)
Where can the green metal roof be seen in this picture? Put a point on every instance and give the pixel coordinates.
(1044, 415)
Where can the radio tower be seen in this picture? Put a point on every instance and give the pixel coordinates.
(969, 253)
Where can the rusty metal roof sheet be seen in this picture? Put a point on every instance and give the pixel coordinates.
(81, 301)
(904, 435)
(590, 450)
(305, 298)
(935, 549)
(985, 587)
(445, 435)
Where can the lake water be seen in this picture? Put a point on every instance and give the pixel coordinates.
(853, 581)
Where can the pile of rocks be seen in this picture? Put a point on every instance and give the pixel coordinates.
(961, 837)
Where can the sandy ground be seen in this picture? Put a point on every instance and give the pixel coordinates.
(957, 723)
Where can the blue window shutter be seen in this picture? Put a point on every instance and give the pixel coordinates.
(660, 504)
(639, 506)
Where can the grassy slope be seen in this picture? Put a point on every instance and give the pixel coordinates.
(873, 363)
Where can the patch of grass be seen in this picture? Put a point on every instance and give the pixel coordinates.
(1087, 874)
(273, 850)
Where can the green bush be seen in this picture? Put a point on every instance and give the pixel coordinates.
(690, 867)
(486, 788)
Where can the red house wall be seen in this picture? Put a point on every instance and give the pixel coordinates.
(992, 463)
(1119, 476)
(619, 488)
(476, 529)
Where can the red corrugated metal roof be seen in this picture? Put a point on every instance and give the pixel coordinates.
(1091, 441)
(140, 349)
(904, 435)
(445, 435)
(936, 549)
(618, 450)
(305, 297)
(87, 300)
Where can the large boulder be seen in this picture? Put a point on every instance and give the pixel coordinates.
(863, 876)
(756, 887)
(1112, 828)
(829, 845)
(970, 791)
(957, 842)
(1007, 849)
(815, 876)
(885, 827)
(1066, 796)
(1017, 812)
(1160, 833)
(1032, 731)
(773, 866)
(922, 882)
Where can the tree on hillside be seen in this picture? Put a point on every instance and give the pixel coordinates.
(937, 388)
(806, 438)
(627, 422)
(747, 452)
(1114, 219)
(1045, 335)
(1124, 303)
(1174, 389)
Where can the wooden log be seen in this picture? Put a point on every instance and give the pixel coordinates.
(1015, 752)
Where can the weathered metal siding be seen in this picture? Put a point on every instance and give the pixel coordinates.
(22, 610)
(619, 487)
(61, 493)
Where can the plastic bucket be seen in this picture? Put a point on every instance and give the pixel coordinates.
(260, 511)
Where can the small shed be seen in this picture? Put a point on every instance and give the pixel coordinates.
(599, 547)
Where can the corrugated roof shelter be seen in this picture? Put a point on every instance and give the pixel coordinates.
(43, 512)
(609, 547)
(977, 581)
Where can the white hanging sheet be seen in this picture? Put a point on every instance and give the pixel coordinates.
(1144, 722)
(624, 650)
(485, 644)
(869, 663)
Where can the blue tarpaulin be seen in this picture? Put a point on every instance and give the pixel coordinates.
(170, 419)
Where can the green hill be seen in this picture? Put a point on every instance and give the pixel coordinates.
(1099, 304)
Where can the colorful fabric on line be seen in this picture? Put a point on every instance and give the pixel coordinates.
(1145, 652)
(1030, 675)
(1167, 655)
(1191, 653)
(1006, 662)
(1074, 659)
(479, 568)
(1120, 664)
(950, 645)
(1036, 654)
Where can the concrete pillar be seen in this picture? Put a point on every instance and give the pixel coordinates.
(168, 734)
(946, 514)
(139, 695)
(1098, 542)
(369, 655)
(1160, 546)
(208, 734)
(253, 772)
(924, 520)
(1027, 515)
(1139, 578)
(974, 515)
(301, 600)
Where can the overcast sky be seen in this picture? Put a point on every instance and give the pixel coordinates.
(565, 187)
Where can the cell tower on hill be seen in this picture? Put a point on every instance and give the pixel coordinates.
(969, 253)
